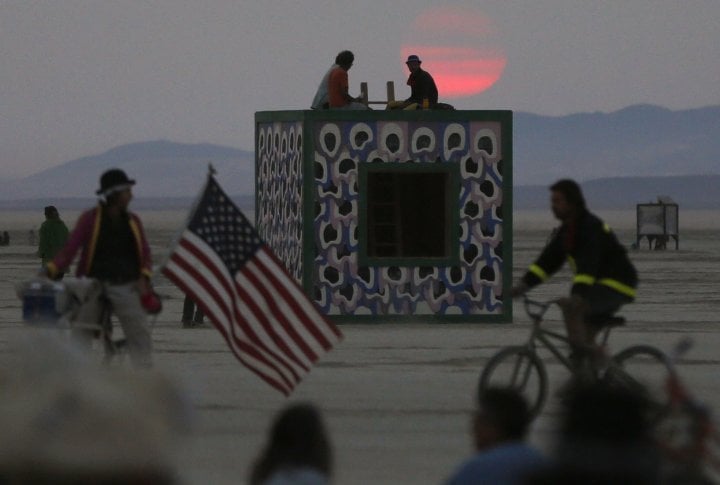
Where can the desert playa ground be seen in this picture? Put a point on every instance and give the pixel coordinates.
(397, 398)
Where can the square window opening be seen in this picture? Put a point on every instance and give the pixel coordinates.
(408, 214)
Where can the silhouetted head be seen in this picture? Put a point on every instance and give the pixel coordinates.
(502, 415)
(413, 62)
(114, 180)
(566, 199)
(604, 413)
(115, 188)
(51, 212)
(345, 59)
(605, 437)
(297, 439)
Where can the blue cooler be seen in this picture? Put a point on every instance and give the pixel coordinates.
(39, 302)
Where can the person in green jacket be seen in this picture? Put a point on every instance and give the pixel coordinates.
(53, 234)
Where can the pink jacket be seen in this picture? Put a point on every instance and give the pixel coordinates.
(85, 235)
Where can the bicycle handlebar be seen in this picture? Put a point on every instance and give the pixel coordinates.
(536, 309)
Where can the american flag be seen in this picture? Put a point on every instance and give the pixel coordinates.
(263, 314)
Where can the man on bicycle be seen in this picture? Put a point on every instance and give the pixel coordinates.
(604, 280)
(114, 251)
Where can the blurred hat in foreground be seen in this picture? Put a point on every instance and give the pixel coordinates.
(69, 421)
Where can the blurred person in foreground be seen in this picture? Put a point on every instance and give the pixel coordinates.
(66, 420)
(113, 250)
(53, 235)
(297, 452)
(605, 438)
(502, 457)
(604, 279)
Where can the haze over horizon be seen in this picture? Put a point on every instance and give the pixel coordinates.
(80, 77)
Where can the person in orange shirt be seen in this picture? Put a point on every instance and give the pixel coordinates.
(338, 86)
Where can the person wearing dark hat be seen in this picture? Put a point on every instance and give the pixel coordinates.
(114, 250)
(53, 235)
(423, 91)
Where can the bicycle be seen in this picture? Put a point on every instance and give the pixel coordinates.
(688, 436)
(641, 367)
(137, 338)
(56, 304)
(103, 329)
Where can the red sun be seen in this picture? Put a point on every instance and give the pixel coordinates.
(459, 47)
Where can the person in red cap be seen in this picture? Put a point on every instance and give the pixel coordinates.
(423, 91)
(114, 251)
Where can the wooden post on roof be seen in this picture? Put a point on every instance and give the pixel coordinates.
(390, 91)
(366, 99)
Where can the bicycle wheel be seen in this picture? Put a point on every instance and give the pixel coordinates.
(643, 369)
(520, 369)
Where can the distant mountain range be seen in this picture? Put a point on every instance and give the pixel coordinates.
(688, 191)
(628, 156)
(162, 169)
(640, 140)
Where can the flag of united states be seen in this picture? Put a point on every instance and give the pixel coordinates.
(263, 314)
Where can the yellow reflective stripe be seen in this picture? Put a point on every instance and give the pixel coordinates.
(606, 227)
(585, 279)
(52, 269)
(538, 271)
(572, 263)
(619, 287)
(93, 239)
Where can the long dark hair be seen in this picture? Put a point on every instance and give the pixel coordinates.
(572, 192)
(297, 439)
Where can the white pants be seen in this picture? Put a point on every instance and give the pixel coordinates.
(125, 302)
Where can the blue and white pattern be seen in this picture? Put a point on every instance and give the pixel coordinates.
(340, 286)
(279, 185)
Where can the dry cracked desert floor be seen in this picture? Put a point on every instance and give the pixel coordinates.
(397, 397)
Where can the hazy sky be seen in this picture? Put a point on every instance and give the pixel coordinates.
(78, 77)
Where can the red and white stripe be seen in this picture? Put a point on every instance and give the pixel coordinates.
(263, 314)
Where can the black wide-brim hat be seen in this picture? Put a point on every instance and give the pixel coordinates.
(114, 180)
